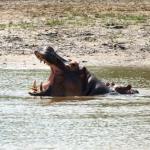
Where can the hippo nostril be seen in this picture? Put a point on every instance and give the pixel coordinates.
(35, 52)
(73, 65)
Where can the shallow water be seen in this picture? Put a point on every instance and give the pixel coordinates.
(75, 123)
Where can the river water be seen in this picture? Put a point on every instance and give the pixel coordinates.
(109, 122)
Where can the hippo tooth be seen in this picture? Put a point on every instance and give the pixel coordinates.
(34, 84)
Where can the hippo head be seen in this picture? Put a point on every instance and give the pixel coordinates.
(66, 77)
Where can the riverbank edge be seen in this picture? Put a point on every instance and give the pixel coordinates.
(13, 61)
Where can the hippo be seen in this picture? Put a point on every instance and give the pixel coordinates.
(68, 78)
(121, 89)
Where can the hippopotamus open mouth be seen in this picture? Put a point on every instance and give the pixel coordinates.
(67, 78)
(56, 63)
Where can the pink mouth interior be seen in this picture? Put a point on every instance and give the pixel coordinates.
(54, 72)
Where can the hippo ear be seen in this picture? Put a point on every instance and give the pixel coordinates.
(73, 66)
(84, 73)
(84, 70)
(49, 48)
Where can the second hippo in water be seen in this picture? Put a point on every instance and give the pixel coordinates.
(121, 89)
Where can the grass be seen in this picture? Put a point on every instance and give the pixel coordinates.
(80, 18)
(133, 18)
(123, 19)
(70, 20)
(21, 25)
(80, 14)
(81, 21)
(55, 22)
(84, 20)
(3, 26)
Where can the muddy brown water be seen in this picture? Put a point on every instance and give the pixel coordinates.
(75, 123)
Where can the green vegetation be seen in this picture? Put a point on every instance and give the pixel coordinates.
(133, 18)
(70, 20)
(3, 26)
(21, 25)
(77, 19)
(55, 22)
(122, 18)
(108, 19)
(80, 21)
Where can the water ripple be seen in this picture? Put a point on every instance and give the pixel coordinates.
(108, 122)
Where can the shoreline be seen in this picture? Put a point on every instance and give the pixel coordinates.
(13, 61)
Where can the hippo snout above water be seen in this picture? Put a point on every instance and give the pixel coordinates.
(68, 78)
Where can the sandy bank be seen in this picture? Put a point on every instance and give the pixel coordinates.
(105, 59)
(98, 34)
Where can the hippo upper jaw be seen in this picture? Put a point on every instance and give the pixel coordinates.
(49, 56)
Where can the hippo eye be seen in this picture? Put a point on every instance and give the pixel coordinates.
(73, 65)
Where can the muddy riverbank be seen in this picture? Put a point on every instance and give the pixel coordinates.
(109, 60)
(95, 33)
